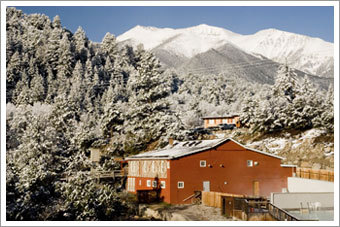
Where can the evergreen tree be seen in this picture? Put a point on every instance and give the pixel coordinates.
(38, 162)
(109, 46)
(65, 60)
(37, 89)
(149, 114)
(52, 54)
(285, 83)
(81, 45)
(327, 117)
(56, 22)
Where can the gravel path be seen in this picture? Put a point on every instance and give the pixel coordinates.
(196, 213)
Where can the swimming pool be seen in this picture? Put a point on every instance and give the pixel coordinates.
(317, 215)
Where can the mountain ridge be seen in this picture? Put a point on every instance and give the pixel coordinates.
(308, 54)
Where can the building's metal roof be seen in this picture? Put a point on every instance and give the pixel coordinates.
(288, 165)
(180, 149)
(226, 116)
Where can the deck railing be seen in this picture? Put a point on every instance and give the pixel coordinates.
(280, 214)
(95, 174)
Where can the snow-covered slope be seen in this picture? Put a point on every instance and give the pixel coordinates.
(187, 42)
(308, 54)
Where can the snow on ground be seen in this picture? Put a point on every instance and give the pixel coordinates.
(296, 144)
(274, 145)
(312, 133)
(220, 135)
(329, 154)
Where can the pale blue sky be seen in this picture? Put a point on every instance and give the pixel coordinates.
(313, 21)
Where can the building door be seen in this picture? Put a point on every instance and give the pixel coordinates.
(229, 206)
(256, 188)
(206, 186)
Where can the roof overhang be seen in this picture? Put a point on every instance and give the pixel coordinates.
(202, 149)
(214, 117)
(149, 158)
(287, 165)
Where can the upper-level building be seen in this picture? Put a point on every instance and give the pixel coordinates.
(213, 121)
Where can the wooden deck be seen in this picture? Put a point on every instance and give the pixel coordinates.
(108, 174)
(101, 175)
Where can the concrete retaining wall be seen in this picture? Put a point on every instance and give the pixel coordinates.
(296, 184)
(294, 200)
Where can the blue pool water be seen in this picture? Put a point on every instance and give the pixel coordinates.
(318, 215)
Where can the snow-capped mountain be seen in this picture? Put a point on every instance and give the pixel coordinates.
(185, 42)
(311, 55)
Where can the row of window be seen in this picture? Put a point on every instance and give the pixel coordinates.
(180, 184)
(154, 183)
(224, 121)
(250, 163)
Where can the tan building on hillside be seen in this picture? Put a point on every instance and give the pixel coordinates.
(215, 121)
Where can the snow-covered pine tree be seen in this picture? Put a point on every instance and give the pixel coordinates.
(52, 54)
(327, 117)
(65, 58)
(148, 116)
(249, 107)
(81, 45)
(285, 83)
(78, 87)
(37, 89)
(22, 93)
(38, 161)
(56, 22)
(305, 107)
(109, 46)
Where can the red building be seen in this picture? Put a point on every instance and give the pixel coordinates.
(221, 165)
(215, 121)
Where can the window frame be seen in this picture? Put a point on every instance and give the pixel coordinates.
(205, 163)
(178, 184)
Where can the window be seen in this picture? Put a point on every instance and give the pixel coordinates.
(250, 163)
(162, 184)
(162, 170)
(148, 183)
(168, 165)
(224, 121)
(211, 121)
(131, 184)
(180, 184)
(154, 184)
(203, 163)
(140, 182)
(145, 167)
(153, 166)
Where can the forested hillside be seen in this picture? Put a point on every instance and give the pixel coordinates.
(65, 94)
